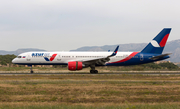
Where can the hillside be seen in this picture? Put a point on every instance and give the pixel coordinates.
(18, 51)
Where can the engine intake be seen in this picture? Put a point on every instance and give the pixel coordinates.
(75, 65)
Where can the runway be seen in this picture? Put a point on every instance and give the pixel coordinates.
(87, 73)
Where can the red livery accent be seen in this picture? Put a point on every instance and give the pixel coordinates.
(127, 58)
(52, 57)
(163, 41)
(75, 65)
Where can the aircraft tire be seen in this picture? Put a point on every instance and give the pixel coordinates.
(32, 72)
(93, 71)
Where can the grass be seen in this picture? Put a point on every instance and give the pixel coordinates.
(124, 106)
(90, 91)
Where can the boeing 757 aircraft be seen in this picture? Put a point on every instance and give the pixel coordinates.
(79, 60)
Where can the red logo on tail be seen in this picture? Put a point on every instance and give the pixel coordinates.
(163, 41)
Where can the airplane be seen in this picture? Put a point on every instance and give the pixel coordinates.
(79, 60)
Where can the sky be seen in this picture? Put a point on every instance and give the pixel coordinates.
(63, 25)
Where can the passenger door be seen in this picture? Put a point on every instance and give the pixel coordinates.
(59, 57)
(141, 57)
(28, 57)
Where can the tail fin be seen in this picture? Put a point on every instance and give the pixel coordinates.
(157, 44)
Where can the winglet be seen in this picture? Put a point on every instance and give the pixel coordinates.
(115, 52)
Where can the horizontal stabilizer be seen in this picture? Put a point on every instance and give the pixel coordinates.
(160, 56)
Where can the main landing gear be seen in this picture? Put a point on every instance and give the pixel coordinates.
(93, 71)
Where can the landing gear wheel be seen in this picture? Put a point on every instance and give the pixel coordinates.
(93, 71)
(32, 72)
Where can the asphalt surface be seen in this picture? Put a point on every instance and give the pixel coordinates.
(87, 73)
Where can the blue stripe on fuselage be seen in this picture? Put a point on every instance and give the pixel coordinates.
(140, 58)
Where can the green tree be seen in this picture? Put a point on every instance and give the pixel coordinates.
(169, 65)
(6, 59)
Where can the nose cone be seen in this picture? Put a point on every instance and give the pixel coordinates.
(14, 61)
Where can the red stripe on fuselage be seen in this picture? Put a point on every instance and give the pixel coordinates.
(127, 58)
(163, 41)
(52, 57)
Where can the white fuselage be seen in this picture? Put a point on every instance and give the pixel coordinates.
(38, 58)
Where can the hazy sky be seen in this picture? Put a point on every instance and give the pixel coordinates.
(57, 25)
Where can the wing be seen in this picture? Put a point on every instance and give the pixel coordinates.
(100, 61)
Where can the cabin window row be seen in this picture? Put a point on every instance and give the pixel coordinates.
(83, 56)
(87, 56)
(126, 56)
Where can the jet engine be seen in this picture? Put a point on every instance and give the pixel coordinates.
(75, 65)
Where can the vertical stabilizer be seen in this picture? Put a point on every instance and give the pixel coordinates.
(157, 44)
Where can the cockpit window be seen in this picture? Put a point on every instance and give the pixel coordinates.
(19, 56)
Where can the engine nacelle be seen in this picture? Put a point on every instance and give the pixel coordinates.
(75, 65)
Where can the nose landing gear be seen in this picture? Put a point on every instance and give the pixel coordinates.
(31, 71)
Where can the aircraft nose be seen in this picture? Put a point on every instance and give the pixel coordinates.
(14, 61)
